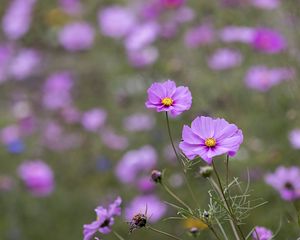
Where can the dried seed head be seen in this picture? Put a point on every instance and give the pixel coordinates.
(206, 171)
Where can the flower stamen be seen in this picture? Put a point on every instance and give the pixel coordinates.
(210, 142)
(167, 101)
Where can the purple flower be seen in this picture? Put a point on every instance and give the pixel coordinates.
(71, 6)
(224, 59)
(210, 137)
(266, 4)
(93, 119)
(138, 122)
(24, 64)
(262, 78)
(155, 208)
(167, 97)
(38, 177)
(57, 90)
(142, 36)
(76, 36)
(268, 41)
(172, 3)
(199, 36)
(262, 233)
(136, 162)
(10, 134)
(112, 140)
(17, 19)
(286, 181)
(105, 220)
(116, 21)
(237, 34)
(142, 57)
(6, 53)
(294, 137)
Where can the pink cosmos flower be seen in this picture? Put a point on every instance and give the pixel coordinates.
(262, 78)
(225, 58)
(93, 119)
(172, 3)
(116, 21)
(71, 7)
(105, 220)
(155, 208)
(294, 137)
(286, 181)
(266, 4)
(76, 36)
(113, 140)
(210, 137)
(199, 36)
(38, 177)
(268, 41)
(167, 97)
(262, 233)
(237, 34)
(142, 57)
(17, 19)
(136, 162)
(139, 122)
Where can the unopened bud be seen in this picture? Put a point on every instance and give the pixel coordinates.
(206, 171)
(156, 176)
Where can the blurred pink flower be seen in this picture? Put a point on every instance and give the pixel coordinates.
(77, 36)
(262, 78)
(25, 64)
(17, 18)
(286, 181)
(116, 21)
(208, 137)
(265, 4)
(57, 90)
(139, 122)
(141, 36)
(38, 177)
(294, 137)
(10, 134)
(262, 233)
(71, 6)
(135, 163)
(268, 41)
(93, 119)
(199, 36)
(225, 58)
(166, 96)
(237, 34)
(172, 3)
(143, 57)
(156, 209)
(145, 184)
(112, 140)
(6, 54)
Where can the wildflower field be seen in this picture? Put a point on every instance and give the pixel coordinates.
(149, 119)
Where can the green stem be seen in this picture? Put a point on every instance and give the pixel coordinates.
(214, 232)
(163, 233)
(118, 235)
(179, 160)
(226, 202)
(176, 197)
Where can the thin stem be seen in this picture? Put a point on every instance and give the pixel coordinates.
(179, 160)
(163, 233)
(227, 172)
(214, 232)
(118, 235)
(221, 229)
(171, 139)
(176, 197)
(226, 202)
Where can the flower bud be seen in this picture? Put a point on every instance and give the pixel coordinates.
(156, 176)
(206, 171)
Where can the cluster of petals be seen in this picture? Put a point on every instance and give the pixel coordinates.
(208, 137)
(104, 221)
(167, 97)
(286, 180)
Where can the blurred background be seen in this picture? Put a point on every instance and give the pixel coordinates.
(74, 130)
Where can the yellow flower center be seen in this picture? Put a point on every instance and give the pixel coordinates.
(210, 142)
(167, 101)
